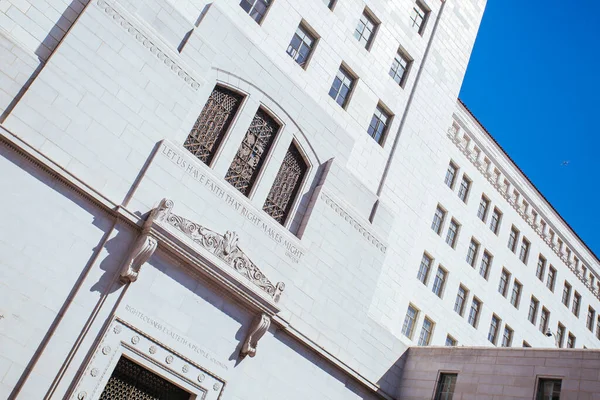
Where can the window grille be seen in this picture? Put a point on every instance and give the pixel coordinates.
(213, 123)
(252, 152)
(130, 381)
(286, 186)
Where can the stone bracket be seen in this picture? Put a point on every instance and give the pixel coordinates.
(260, 326)
(142, 251)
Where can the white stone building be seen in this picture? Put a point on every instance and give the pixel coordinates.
(238, 199)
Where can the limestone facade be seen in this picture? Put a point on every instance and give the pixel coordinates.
(117, 241)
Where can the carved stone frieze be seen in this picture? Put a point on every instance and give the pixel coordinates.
(225, 247)
(260, 325)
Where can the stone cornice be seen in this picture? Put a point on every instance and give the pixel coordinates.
(363, 227)
(531, 215)
(154, 45)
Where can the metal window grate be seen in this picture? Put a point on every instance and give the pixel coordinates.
(212, 124)
(252, 152)
(286, 186)
(130, 381)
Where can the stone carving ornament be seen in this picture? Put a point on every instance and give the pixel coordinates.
(143, 249)
(224, 247)
(259, 327)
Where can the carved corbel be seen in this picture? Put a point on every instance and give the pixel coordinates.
(259, 327)
(144, 248)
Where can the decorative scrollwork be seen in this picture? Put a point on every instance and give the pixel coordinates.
(252, 152)
(224, 247)
(287, 183)
(212, 124)
(260, 325)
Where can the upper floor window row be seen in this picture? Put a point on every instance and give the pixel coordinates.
(305, 39)
(207, 135)
(366, 29)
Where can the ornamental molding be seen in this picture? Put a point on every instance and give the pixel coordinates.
(531, 215)
(135, 30)
(224, 247)
(142, 251)
(124, 339)
(339, 209)
(260, 326)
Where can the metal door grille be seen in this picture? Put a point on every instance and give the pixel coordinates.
(286, 185)
(252, 152)
(212, 124)
(130, 381)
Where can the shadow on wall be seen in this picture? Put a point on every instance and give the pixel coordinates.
(77, 277)
(47, 47)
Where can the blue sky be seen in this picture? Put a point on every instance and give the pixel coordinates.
(534, 83)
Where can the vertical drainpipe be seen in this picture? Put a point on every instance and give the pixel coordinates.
(406, 111)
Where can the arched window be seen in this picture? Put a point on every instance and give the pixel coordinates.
(252, 152)
(213, 123)
(286, 186)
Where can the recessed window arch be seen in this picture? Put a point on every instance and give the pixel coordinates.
(213, 123)
(287, 184)
(253, 151)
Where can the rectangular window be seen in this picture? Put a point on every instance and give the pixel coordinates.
(560, 335)
(426, 331)
(495, 222)
(515, 297)
(329, 3)
(548, 389)
(486, 264)
(409, 321)
(423, 273)
(507, 336)
(533, 309)
(465, 186)
(400, 68)
(342, 86)
(571, 341)
(503, 285)
(419, 17)
(452, 234)
(576, 304)
(379, 124)
(450, 341)
(591, 316)
(461, 297)
(566, 295)
(301, 45)
(474, 312)
(544, 320)
(256, 8)
(598, 327)
(513, 238)
(551, 278)
(484, 204)
(524, 253)
(439, 282)
(472, 252)
(366, 29)
(493, 332)
(541, 267)
(438, 220)
(451, 175)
